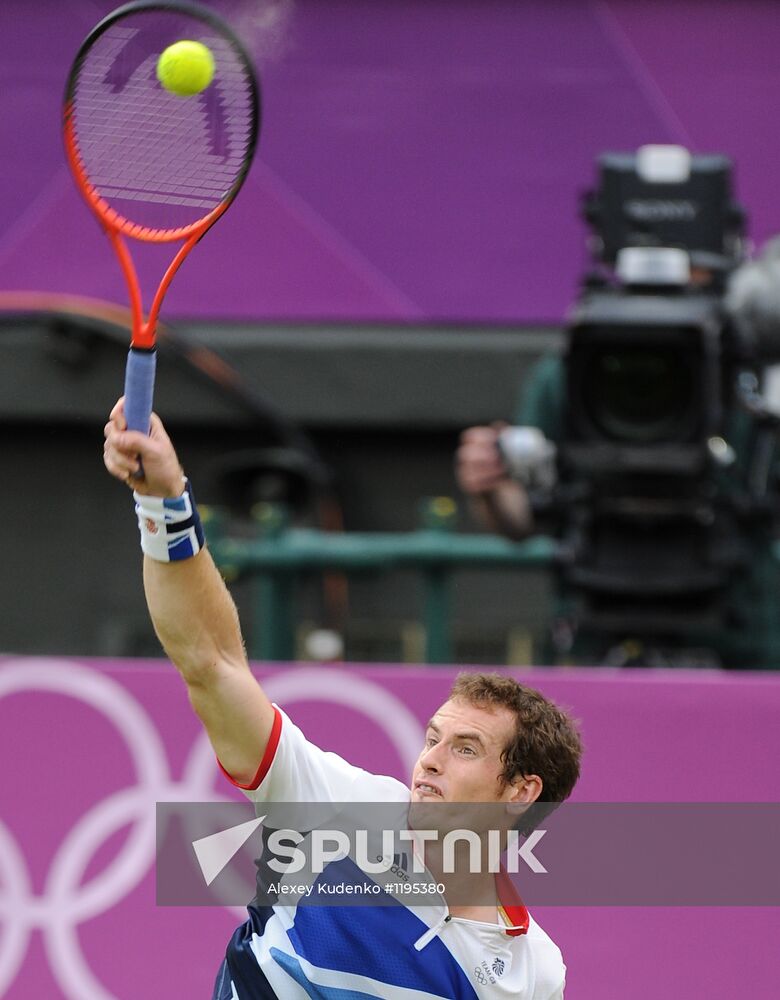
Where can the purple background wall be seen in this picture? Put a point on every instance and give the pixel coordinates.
(90, 746)
(420, 159)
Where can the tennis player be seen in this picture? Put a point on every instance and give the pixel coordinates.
(493, 740)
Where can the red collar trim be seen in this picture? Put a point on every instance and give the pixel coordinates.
(512, 905)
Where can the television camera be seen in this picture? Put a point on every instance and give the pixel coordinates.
(661, 480)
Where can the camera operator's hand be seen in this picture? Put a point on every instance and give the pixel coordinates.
(479, 466)
(498, 502)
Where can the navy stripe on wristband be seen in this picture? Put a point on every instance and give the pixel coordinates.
(170, 527)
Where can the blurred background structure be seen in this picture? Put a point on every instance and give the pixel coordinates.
(408, 242)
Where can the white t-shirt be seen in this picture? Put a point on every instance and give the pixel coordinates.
(402, 952)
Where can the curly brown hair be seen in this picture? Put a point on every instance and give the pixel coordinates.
(546, 741)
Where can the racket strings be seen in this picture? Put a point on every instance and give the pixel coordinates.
(172, 159)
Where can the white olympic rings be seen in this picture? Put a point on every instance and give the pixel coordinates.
(65, 902)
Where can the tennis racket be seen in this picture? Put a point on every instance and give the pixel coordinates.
(153, 165)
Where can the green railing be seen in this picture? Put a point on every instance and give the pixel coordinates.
(281, 556)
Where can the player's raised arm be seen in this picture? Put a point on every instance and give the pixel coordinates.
(191, 609)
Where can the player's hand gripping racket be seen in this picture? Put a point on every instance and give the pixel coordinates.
(158, 163)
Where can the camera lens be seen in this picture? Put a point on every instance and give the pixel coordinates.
(639, 395)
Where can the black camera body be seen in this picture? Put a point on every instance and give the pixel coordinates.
(643, 382)
(651, 541)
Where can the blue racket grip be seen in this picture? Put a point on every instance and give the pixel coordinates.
(139, 388)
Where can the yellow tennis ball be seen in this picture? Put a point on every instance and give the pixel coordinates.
(186, 68)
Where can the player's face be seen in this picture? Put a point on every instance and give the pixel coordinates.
(461, 759)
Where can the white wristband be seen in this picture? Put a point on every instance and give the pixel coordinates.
(170, 526)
